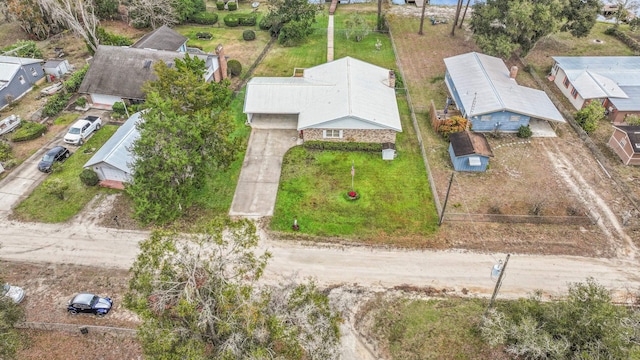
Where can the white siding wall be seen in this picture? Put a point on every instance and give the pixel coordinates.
(578, 102)
(108, 172)
(99, 100)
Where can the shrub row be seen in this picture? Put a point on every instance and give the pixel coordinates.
(75, 80)
(29, 131)
(342, 146)
(626, 39)
(233, 20)
(55, 104)
(205, 18)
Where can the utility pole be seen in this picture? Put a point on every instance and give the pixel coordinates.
(498, 284)
(424, 6)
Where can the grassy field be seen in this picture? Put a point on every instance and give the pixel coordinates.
(431, 329)
(42, 207)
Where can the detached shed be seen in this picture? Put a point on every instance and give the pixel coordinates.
(625, 141)
(469, 151)
(57, 67)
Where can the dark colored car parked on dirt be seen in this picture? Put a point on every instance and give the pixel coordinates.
(89, 303)
(58, 153)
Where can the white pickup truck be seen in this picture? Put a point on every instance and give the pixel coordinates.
(82, 129)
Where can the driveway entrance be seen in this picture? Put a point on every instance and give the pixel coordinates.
(258, 183)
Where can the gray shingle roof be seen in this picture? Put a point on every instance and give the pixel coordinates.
(485, 80)
(121, 71)
(162, 38)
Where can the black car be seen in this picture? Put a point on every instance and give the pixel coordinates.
(58, 153)
(89, 303)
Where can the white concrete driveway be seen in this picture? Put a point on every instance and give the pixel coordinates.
(257, 187)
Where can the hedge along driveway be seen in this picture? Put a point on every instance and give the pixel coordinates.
(42, 207)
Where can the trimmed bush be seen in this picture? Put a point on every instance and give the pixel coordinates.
(234, 67)
(220, 5)
(205, 18)
(5, 151)
(231, 20)
(247, 19)
(204, 35)
(249, 35)
(232, 5)
(55, 104)
(524, 132)
(81, 101)
(119, 110)
(29, 131)
(89, 177)
(342, 146)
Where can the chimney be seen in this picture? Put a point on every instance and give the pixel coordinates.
(222, 62)
(392, 79)
(513, 72)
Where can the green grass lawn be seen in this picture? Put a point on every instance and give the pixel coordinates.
(432, 329)
(366, 48)
(42, 207)
(395, 205)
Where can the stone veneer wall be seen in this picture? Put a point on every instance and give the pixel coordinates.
(354, 135)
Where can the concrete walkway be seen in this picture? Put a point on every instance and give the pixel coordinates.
(257, 187)
(330, 39)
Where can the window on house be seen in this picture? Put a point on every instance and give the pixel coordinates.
(34, 72)
(574, 93)
(623, 142)
(21, 79)
(566, 82)
(514, 118)
(485, 118)
(332, 134)
(474, 161)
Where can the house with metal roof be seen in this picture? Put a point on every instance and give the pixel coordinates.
(162, 38)
(17, 77)
(625, 142)
(487, 94)
(613, 81)
(113, 161)
(117, 73)
(342, 100)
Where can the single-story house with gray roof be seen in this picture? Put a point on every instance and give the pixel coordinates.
(162, 38)
(342, 100)
(117, 73)
(487, 94)
(613, 81)
(113, 161)
(17, 77)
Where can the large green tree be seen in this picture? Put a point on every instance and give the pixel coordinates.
(290, 20)
(585, 325)
(185, 135)
(199, 298)
(507, 27)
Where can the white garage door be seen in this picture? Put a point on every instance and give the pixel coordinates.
(274, 121)
(109, 173)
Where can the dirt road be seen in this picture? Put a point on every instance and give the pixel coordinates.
(332, 264)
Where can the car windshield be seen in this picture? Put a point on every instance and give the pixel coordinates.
(94, 301)
(74, 131)
(48, 158)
